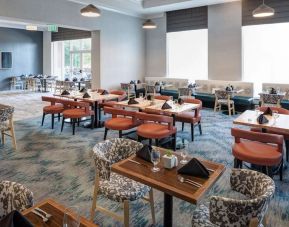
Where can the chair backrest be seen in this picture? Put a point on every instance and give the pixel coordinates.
(111, 151)
(69, 104)
(222, 94)
(147, 117)
(274, 108)
(150, 89)
(163, 97)
(271, 99)
(259, 189)
(52, 100)
(258, 136)
(14, 196)
(118, 112)
(195, 101)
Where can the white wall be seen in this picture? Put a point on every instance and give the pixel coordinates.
(224, 44)
(156, 49)
(122, 37)
(225, 41)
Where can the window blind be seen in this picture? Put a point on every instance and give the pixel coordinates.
(281, 12)
(69, 34)
(187, 19)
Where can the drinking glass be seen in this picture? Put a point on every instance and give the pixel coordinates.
(275, 115)
(155, 157)
(71, 217)
(141, 96)
(184, 154)
(257, 110)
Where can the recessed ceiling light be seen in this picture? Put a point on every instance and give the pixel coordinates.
(31, 27)
(149, 24)
(90, 11)
(263, 11)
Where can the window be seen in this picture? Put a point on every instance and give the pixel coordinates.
(265, 54)
(72, 58)
(187, 55)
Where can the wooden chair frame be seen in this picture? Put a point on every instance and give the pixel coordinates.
(12, 132)
(230, 104)
(125, 217)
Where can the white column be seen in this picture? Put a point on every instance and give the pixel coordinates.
(47, 53)
(95, 60)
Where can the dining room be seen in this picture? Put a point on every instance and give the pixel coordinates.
(146, 113)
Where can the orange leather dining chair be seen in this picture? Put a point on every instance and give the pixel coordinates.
(191, 117)
(264, 150)
(163, 97)
(156, 127)
(272, 131)
(55, 107)
(75, 111)
(121, 120)
(122, 96)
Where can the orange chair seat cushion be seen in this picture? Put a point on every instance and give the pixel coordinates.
(188, 117)
(257, 153)
(286, 135)
(76, 113)
(155, 131)
(53, 109)
(120, 123)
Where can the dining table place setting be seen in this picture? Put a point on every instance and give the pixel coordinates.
(138, 103)
(175, 174)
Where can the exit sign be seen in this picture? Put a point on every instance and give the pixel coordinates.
(52, 28)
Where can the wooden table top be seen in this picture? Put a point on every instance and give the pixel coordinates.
(249, 118)
(176, 108)
(56, 210)
(166, 179)
(141, 105)
(94, 96)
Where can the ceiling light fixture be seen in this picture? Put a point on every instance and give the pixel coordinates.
(263, 11)
(90, 11)
(149, 24)
(31, 27)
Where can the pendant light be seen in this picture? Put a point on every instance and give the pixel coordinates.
(263, 11)
(149, 24)
(90, 11)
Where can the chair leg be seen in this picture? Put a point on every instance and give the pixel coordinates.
(78, 122)
(126, 213)
(157, 142)
(152, 204)
(229, 109)
(11, 125)
(287, 149)
(94, 198)
(52, 121)
(183, 125)
(175, 142)
(139, 139)
(43, 116)
(3, 137)
(238, 163)
(150, 142)
(200, 128)
(105, 133)
(192, 131)
(62, 124)
(58, 117)
(73, 126)
(281, 171)
(120, 134)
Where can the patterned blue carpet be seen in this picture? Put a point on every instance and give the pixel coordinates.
(59, 166)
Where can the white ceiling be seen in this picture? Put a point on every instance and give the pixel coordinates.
(148, 8)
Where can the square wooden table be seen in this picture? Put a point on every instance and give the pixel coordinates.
(142, 103)
(249, 118)
(56, 210)
(166, 181)
(95, 99)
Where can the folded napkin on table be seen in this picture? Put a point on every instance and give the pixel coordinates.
(262, 119)
(82, 79)
(268, 111)
(132, 101)
(105, 92)
(83, 89)
(194, 168)
(86, 95)
(145, 153)
(149, 97)
(65, 92)
(181, 101)
(15, 219)
(166, 106)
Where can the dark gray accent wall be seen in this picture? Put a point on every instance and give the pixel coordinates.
(27, 53)
(69, 34)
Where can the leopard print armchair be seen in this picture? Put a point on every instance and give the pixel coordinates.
(257, 187)
(14, 196)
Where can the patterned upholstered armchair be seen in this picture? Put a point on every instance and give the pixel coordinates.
(185, 92)
(223, 97)
(227, 212)
(14, 196)
(271, 99)
(114, 186)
